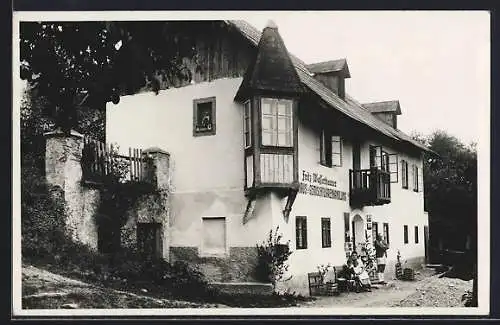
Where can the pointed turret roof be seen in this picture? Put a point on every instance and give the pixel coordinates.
(272, 69)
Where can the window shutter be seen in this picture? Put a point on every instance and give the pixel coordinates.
(421, 180)
(322, 147)
(393, 167)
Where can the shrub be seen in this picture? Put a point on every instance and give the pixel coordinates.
(272, 258)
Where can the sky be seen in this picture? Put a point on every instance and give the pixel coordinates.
(435, 63)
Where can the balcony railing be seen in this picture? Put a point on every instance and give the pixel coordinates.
(369, 187)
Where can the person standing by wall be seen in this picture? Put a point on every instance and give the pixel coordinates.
(381, 248)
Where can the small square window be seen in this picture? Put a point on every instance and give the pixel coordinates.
(204, 116)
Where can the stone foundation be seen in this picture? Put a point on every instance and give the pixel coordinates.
(239, 266)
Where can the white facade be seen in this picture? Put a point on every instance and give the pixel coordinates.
(208, 180)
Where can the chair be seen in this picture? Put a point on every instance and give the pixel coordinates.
(316, 286)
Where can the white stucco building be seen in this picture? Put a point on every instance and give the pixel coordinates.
(259, 140)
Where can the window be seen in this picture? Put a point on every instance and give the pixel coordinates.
(374, 231)
(330, 149)
(149, 239)
(379, 158)
(416, 234)
(247, 124)
(214, 241)
(404, 173)
(393, 167)
(204, 116)
(386, 232)
(415, 178)
(277, 122)
(301, 232)
(326, 235)
(405, 234)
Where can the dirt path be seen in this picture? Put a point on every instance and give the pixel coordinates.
(42, 289)
(427, 291)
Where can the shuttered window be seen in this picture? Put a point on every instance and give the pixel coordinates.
(301, 232)
(330, 149)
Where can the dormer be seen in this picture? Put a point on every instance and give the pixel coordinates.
(332, 74)
(385, 111)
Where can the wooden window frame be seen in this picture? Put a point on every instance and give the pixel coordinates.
(212, 130)
(247, 116)
(404, 174)
(300, 232)
(405, 234)
(415, 178)
(394, 167)
(275, 115)
(327, 139)
(326, 233)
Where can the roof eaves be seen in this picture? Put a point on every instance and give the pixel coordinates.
(361, 114)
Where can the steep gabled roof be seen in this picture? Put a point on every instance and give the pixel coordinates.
(350, 107)
(330, 66)
(390, 106)
(272, 69)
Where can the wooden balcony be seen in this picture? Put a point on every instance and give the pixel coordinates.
(369, 187)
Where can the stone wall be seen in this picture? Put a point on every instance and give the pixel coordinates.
(238, 266)
(82, 201)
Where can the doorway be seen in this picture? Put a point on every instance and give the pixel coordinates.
(426, 243)
(358, 233)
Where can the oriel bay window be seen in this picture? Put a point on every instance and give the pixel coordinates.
(270, 140)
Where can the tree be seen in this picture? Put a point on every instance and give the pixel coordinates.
(71, 64)
(451, 193)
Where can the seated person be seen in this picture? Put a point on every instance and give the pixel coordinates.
(360, 275)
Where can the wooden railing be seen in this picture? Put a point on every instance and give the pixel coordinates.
(100, 161)
(369, 187)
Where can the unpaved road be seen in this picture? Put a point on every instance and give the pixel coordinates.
(427, 290)
(42, 289)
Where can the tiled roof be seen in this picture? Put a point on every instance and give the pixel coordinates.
(349, 107)
(330, 66)
(381, 107)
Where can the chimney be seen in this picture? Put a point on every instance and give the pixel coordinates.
(332, 74)
(386, 111)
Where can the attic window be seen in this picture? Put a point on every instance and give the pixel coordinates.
(204, 116)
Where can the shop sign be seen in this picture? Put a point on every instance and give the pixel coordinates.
(308, 186)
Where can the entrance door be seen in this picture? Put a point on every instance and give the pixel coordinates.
(358, 233)
(426, 243)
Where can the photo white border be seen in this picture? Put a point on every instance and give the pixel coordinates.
(483, 147)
